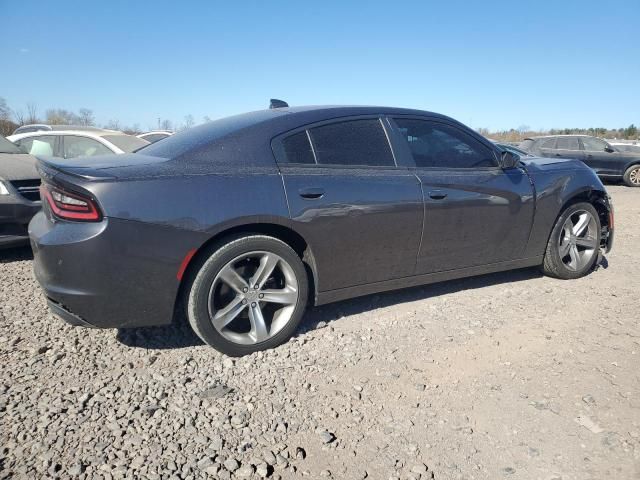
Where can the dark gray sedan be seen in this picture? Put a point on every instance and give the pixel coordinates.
(245, 221)
(19, 193)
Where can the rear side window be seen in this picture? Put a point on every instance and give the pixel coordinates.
(592, 144)
(352, 143)
(297, 148)
(568, 143)
(526, 145)
(439, 145)
(548, 143)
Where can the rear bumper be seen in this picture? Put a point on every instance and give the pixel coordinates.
(109, 274)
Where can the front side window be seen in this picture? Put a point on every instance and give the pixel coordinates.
(593, 144)
(352, 143)
(568, 143)
(42, 145)
(439, 145)
(83, 147)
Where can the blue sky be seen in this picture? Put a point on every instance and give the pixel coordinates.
(488, 64)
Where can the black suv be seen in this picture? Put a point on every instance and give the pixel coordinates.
(607, 160)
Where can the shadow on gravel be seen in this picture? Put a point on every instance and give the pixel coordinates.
(180, 335)
(176, 335)
(335, 311)
(16, 254)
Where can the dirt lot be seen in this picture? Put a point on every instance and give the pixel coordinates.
(504, 376)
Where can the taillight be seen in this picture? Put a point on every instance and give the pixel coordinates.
(70, 206)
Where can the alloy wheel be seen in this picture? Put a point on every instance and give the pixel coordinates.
(253, 297)
(577, 243)
(634, 176)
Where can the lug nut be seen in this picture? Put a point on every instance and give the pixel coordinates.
(261, 295)
(245, 289)
(256, 286)
(253, 304)
(244, 302)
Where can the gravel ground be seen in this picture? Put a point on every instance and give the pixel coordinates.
(509, 375)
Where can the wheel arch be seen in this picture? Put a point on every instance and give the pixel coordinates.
(276, 230)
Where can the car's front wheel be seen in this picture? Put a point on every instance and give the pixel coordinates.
(249, 295)
(632, 176)
(572, 250)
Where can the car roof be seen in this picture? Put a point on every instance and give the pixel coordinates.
(562, 135)
(83, 133)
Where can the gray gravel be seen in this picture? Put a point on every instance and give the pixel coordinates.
(505, 376)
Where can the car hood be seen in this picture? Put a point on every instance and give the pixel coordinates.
(18, 166)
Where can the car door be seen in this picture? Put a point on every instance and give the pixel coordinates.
(568, 147)
(360, 213)
(476, 213)
(601, 157)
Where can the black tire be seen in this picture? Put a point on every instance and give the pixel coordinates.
(632, 176)
(553, 265)
(198, 293)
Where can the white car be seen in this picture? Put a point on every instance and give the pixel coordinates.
(77, 143)
(155, 135)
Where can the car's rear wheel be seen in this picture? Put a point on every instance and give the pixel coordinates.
(572, 250)
(249, 295)
(632, 176)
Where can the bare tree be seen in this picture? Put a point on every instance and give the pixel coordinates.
(206, 118)
(60, 116)
(113, 125)
(189, 121)
(32, 113)
(85, 117)
(5, 111)
(19, 116)
(166, 125)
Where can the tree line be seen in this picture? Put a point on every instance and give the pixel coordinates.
(10, 119)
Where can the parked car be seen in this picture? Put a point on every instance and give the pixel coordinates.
(155, 135)
(608, 161)
(19, 193)
(245, 221)
(77, 143)
(42, 127)
(627, 147)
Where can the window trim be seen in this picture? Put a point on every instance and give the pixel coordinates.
(280, 157)
(438, 120)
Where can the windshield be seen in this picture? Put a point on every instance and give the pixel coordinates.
(7, 147)
(126, 143)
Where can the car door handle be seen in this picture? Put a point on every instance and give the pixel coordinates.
(558, 154)
(437, 195)
(311, 193)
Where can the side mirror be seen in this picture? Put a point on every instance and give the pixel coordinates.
(509, 160)
(609, 149)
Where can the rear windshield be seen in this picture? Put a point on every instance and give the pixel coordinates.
(126, 143)
(7, 147)
(182, 142)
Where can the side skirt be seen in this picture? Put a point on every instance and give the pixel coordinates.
(424, 279)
